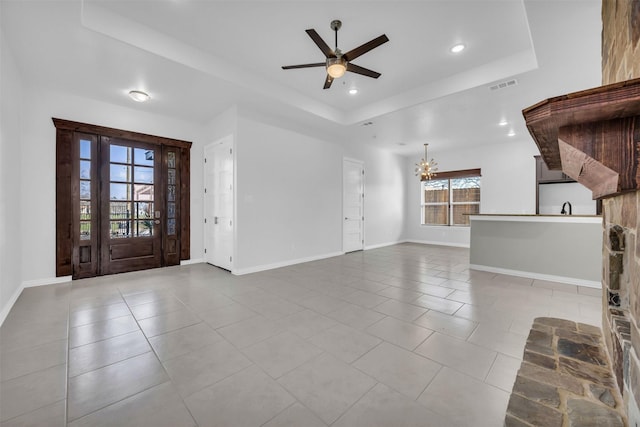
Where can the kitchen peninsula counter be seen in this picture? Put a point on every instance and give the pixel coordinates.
(559, 248)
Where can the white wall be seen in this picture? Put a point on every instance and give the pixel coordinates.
(507, 187)
(385, 195)
(37, 174)
(289, 192)
(289, 196)
(10, 215)
(553, 196)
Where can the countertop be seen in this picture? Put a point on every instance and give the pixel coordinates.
(537, 218)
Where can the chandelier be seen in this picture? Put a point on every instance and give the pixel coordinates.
(426, 169)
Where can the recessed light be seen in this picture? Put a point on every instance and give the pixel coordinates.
(457, 48)
(138, 95)
(503, 123)
(511, 133)
(353, 91)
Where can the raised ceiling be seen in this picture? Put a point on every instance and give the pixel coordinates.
(196, 58)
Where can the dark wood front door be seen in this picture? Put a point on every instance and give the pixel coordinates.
(122, 200)
(131, 206)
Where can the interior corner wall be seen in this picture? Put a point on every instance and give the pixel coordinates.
(507, 187)
(385, 194)
(10, 214)
(37, 169)
(288, 197)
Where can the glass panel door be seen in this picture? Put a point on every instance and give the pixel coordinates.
(133, 213)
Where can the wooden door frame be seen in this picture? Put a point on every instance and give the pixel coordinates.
(66, 172)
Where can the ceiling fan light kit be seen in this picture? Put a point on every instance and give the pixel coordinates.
(338, 63)
(336, 67)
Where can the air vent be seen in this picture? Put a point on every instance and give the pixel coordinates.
(504, 85)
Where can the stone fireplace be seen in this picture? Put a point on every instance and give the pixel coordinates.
(594, 137)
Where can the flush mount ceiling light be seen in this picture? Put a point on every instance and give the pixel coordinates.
(503, 123)
(511, 133)
(457, 48)
(138, 95)
(426, 169)
(353, 91)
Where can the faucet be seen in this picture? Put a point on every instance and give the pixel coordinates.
(563, 211)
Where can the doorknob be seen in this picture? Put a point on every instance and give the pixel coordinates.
(345, 218)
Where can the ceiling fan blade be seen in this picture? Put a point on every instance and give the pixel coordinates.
(320, 43)
(317, 64)
(327, 82)
(361, 50)
(361, 70)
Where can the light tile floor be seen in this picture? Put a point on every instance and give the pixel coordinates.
(402, 335)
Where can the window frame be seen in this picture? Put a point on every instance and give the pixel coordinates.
(448, 176)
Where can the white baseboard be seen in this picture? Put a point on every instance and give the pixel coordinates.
(29, 284)
(430, 242)
(9, 305)
(257, 268)
(47, 281)
(192, 261)
(539, 276)
(382, 245)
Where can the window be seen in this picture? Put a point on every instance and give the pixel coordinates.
(450, 198)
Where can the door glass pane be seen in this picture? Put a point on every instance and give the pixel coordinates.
(85, 230)
(85, 149)
(144, 210)
(143, 192)
(120, 154)
(119, 210)
(120, 229)
(144, 228)
(120, 173)
(85, 169)
(143, 175)
(120, 191)
(85, 209)
(143, 156)
(85, 189)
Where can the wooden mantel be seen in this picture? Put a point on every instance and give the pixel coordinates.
(592, 135)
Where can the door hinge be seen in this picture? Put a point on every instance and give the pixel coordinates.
(205, 190)
(362, 171)
(230, 222)
(205, 160)
(205, 250)
(230, 259)
(230, 150)
(205, 220)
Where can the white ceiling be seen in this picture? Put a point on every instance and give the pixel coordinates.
(197, 58)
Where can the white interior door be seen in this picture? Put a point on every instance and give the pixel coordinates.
(218, 203)
(353, 206)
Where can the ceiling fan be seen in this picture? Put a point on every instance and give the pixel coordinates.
(338, 63)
